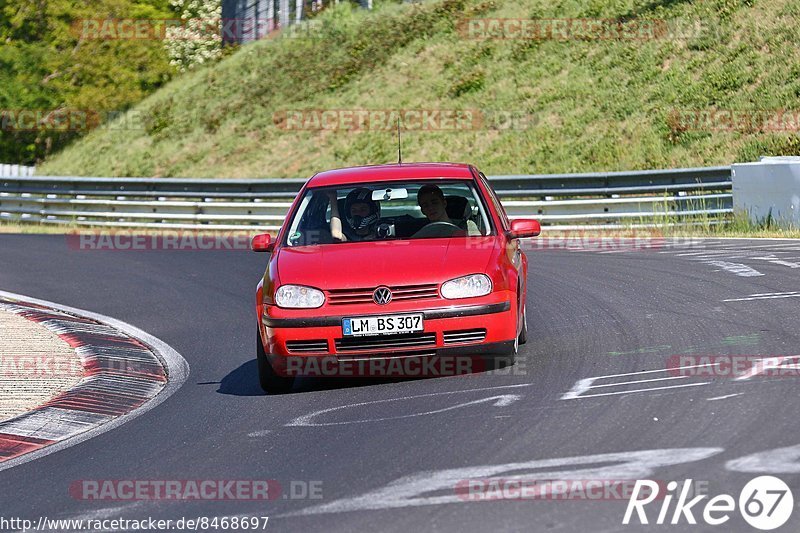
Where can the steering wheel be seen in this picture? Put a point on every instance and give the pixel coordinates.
(437, 229)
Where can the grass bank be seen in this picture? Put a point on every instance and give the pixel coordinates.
(580, 103)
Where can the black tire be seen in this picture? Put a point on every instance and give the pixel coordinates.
(509, 358)
(269, 380)
(523, 335)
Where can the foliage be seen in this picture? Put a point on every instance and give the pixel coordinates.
(576, 105)
(199, 40)
(46, 66)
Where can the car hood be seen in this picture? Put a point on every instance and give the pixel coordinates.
(370, 264)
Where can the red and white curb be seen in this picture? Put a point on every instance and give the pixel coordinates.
(127, 372)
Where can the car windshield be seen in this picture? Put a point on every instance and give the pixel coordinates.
(389, 211)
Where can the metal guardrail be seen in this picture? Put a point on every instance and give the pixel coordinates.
(569, 201)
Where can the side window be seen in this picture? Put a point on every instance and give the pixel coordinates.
(497, 205)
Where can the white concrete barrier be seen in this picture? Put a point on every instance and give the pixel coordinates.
(767, 189)
(15, 171)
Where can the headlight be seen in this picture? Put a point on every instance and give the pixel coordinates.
(299, 297)
(467, 287)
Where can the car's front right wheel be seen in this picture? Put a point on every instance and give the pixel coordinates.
(523, 335)
(270, 380)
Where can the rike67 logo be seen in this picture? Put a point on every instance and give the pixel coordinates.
(765, 503)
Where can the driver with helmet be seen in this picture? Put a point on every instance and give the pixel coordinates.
(362, 214)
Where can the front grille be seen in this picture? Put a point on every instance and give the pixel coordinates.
(307, 346)
(468, 335)
(406, 340)
(399, 293)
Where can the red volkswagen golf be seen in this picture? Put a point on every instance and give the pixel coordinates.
(382, 269)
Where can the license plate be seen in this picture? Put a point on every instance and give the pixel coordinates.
(381, 325)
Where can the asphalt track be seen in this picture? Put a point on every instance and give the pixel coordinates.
(590, 314)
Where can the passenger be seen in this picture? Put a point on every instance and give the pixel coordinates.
(434, 206)
(362, 214)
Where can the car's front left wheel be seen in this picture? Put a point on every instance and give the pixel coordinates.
(270, 380)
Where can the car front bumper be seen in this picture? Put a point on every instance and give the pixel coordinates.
(485, 327)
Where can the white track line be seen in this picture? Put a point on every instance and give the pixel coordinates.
(304, 420)
(778, 261)
(769, 246)
(724, 397)
(640, 390)
(176, 366)
(703, 253)
(768, 363)
(738, 269)
(583, 385)
(636, 381)
(653, 371)
(773, 297)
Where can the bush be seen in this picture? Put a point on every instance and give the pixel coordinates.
(199, 41)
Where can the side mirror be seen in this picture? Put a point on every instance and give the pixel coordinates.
(523, 228)
(261, 243)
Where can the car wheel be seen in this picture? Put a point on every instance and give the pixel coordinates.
(269, 380)
(510, 357)
(523, 335)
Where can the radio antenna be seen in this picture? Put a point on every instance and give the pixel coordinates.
(399, 146)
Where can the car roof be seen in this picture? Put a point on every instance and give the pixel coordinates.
(393, 172)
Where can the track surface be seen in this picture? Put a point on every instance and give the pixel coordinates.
(590, 314)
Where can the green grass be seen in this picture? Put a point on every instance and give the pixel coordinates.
(738, 225)
(14, 227)
(594, 104)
